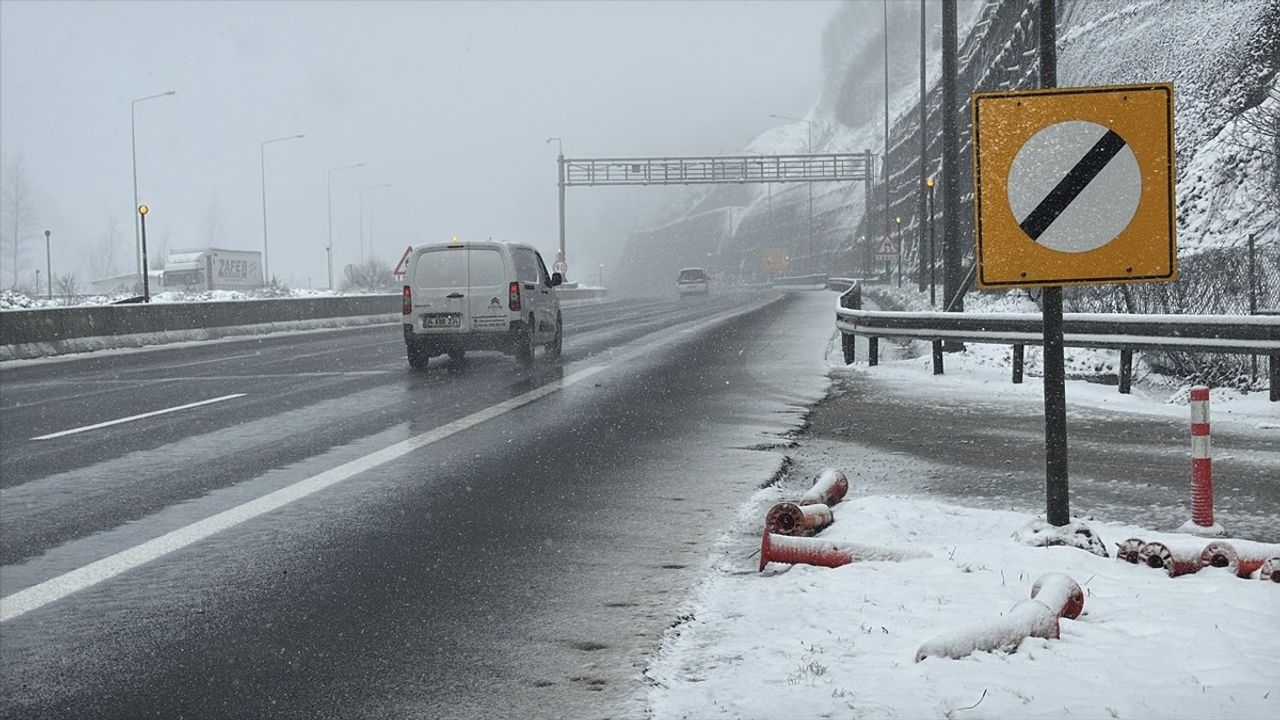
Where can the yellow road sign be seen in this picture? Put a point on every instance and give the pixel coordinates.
(1074, 186)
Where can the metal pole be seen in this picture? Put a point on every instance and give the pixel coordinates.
(899, 221)
(813, 259)
(1058, 508)
(48, 264)
(50, 293)
(1253, 303)
(329, 248)
(924, 149)
(262, 157)
(560, 165)
(142, 234)
(952, 252)
(933, 279)
(887, 228)
(329, 179)
(262, 165)
(133, 150)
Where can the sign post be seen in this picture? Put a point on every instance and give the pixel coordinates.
(1072, 186)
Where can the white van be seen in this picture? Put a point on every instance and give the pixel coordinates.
(461, 296)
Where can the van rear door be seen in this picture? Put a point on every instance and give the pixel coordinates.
(488, 288)
(440, 289)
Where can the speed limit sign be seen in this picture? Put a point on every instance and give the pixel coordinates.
(560, 266)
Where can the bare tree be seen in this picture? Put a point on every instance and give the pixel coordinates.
(215, 223)
(17, 218)
(67, 286)
(109, 251)
(372, 275)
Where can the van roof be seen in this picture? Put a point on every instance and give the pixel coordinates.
(472, 243)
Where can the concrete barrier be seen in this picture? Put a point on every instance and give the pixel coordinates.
(55, 331)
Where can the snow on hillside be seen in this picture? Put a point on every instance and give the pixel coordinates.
(1220, 56)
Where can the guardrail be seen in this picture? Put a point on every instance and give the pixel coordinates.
(815, 280)
(1233, 334)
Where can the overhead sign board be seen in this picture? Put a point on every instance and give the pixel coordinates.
(1074, 186)
(887, 247)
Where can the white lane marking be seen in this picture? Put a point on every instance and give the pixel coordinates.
(61, 586)
(131, 418)
(56, 588)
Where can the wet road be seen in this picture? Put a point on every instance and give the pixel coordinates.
(317, 531)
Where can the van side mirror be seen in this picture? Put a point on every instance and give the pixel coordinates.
(556, 279)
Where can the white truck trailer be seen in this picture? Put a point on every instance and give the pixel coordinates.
(213, 269)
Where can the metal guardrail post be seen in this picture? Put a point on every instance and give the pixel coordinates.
(1273, 363)
(873, 351)
(937, 357)
(1019, 357)
(1126, 371)
(850, 299)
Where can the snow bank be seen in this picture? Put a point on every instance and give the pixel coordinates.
(819, 642)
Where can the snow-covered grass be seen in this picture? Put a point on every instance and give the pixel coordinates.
(18, 300)
(986, 368)
(817, 642)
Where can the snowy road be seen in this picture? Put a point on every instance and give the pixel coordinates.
(300, 526)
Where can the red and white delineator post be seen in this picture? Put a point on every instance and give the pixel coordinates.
(1201, 469)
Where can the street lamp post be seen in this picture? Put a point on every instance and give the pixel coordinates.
(262, 157)
(48, 265)
(809, 128)
(362, 192)
(133, 144)
(886, 120)
(329, 248)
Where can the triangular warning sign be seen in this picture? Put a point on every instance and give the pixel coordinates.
(403, 265)
(887, 247)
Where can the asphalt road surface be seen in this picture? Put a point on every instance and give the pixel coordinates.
(301, 526)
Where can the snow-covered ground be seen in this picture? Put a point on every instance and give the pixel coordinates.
(17, 300)
(802, 642)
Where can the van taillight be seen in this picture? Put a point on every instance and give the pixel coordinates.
(407, 309)
(513, 296)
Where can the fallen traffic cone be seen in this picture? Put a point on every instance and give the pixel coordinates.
(1059, 592)
(1129, 550)
(1175, 561)
(828, 489)
(791, 519)
(1054, 596)
(799, 550)
(1232, 556)
(1270, 570)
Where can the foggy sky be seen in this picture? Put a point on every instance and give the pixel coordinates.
(449, 103)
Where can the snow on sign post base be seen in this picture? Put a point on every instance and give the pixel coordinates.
(1072, 186)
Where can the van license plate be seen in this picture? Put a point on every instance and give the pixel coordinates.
(449, 320)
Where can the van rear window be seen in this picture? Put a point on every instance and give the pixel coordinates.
(442, 269)
(459, 268)
(692, 275)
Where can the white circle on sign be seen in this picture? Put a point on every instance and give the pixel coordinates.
(559, 266)
(1071, 189)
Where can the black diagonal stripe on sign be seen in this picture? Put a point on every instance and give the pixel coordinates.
(1072, 185)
